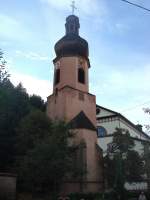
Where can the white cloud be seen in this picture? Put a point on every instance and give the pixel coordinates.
(125, 92)
(31, 55)
(4, 43)
(118, 82)
(11, 28)
(32, 84)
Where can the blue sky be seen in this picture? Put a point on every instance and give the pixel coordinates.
(119, 44)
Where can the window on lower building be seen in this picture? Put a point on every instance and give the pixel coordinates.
(101, 131)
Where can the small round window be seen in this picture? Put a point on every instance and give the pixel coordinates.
(101, 131)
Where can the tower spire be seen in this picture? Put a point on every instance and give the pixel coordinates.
(73, 7)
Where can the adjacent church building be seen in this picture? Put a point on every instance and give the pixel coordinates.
(107, 122)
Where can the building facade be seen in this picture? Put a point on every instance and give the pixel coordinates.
(107, 122)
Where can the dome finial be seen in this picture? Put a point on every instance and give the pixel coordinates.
(73, 7)
(72, 25)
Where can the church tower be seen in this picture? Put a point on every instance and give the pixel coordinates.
(72, 102)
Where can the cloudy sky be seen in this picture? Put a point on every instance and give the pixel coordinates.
(119, 42)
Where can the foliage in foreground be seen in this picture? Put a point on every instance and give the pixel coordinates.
(15, 104)
(4, 76)
(44, 156)
(126, 165)
(106, 196)
(33, 146)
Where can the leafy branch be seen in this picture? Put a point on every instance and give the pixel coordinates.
(4, 75)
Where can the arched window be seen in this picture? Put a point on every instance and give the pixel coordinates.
(57, 76)
(101, 131)
(81, 75)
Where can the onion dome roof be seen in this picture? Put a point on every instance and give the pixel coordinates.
(72, 44)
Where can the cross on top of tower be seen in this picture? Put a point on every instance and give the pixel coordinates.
(73, 7)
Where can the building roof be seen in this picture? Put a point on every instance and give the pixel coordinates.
(97, 106)
(116, 114)
(72, 44)
(81, 121)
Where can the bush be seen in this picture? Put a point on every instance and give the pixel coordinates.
(93, 196)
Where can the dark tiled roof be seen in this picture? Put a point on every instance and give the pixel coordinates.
(81, 121)
(72, 45)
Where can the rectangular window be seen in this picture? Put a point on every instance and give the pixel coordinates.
(57, 76)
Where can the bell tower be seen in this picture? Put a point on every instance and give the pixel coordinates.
(72, 102)
(71, 62)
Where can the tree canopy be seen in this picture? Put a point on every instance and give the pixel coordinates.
(125, 165)
(3, 72)
(44, 156)
(15, 104)
(30, 143)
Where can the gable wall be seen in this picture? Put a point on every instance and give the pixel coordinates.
(104, 113)
(110, 124)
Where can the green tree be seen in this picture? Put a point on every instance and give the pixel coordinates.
(3, 72)
(13, 106)
(146, 158)
(44, 156)
(37, 102)
(15, 103)
(146, 155)
(147, 111)
(126, 164)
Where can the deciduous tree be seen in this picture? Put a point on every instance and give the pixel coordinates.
(44, 156)
(126, 165)
(3, 72)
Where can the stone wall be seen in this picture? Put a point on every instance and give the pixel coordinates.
(7, 186)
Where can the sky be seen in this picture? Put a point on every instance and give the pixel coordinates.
(119, 44)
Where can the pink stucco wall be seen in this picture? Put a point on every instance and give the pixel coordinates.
(67, 104)
(70, 98)
(69, 73)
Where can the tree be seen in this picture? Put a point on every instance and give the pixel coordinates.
(3, 72)
(146, 155)
(147, 111)
(44, 156)
(37, 102)
(15, 104)
(126, 164)
(146, 158)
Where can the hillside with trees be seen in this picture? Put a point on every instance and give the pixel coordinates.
(30, 143)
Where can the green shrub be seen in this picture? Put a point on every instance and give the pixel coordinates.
(93, 196)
